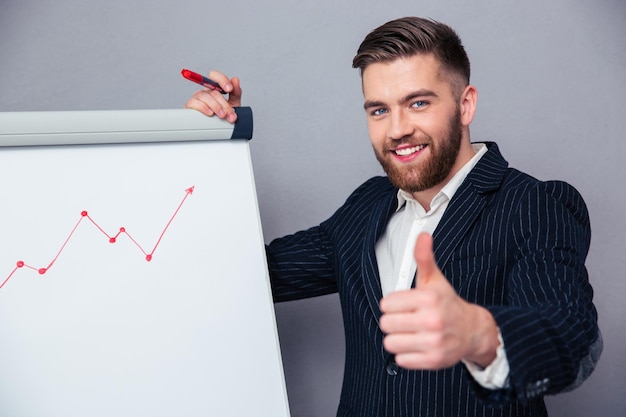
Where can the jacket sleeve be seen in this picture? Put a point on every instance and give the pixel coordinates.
(305, 264)
(549, 325)
(301, 265)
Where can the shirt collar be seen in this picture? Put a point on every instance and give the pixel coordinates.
(453, 185)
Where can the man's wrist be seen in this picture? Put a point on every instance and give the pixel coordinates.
(484, 342)
(496, 375)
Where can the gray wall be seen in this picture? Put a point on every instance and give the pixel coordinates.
(551, 79)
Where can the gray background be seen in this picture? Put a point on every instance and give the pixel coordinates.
(551, 81)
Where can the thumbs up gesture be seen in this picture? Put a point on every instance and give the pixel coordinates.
(430, 326)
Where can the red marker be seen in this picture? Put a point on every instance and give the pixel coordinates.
(202, 80)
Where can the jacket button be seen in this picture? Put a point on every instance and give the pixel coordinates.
(392, 368)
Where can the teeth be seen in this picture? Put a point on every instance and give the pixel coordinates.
(409, 151)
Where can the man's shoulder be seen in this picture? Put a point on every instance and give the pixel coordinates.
(374, 189)
(380, 182)
(375, 195)
(525, 192)
(493, 168)
(373, 186)
(521, 183)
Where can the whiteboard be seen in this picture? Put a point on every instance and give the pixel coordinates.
(135, 282)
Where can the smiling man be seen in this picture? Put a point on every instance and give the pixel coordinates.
(462, 281)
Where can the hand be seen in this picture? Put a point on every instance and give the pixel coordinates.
(212, 103)
(430, 326)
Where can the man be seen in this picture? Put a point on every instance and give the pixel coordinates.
(490, 313)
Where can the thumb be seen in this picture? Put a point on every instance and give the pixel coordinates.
(427, 269)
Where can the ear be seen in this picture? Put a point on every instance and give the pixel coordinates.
(467, 103)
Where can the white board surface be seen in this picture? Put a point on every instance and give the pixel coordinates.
(107, 332)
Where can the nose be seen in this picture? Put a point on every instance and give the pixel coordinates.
(399, 126)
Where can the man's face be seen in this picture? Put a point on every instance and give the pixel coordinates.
(414, 122)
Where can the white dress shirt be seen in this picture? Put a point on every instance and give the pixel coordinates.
(396, 264)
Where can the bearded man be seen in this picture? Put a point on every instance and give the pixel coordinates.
(462, 281)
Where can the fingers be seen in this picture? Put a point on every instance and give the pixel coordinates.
(222, 80)
(406, 301)
(426, 359)
(409, 311)
(405, 343)
(231, 86)
(234, 95)
(418, 343)
(212, 103)
(424, 342)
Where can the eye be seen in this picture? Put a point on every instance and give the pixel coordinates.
(378, 112)
(419, 104)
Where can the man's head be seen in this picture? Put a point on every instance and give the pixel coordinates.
(418, 101)
(408, 36)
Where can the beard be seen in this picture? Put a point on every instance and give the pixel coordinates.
(431, 172)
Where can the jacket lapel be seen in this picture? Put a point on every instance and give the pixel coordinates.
(378, 220)
(468, 202)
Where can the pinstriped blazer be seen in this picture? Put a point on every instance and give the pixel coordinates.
(508, 242)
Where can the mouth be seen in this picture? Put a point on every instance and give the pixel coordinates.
(406, 153)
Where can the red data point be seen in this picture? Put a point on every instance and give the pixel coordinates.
(20, 264)
(42, 271)
(112, 240)
(83, 213)
(148, 258)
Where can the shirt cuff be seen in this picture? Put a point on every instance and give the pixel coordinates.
(496, 375)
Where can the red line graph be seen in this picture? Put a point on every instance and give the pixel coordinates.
(84, 215)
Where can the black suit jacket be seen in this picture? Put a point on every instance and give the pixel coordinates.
(508, 242)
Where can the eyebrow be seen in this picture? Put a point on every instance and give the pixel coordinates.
(409, 97)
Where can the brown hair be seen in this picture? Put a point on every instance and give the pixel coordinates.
(409, 36)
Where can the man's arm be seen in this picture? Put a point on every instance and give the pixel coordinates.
(548, 322)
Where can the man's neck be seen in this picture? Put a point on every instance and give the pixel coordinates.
(466, 153)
